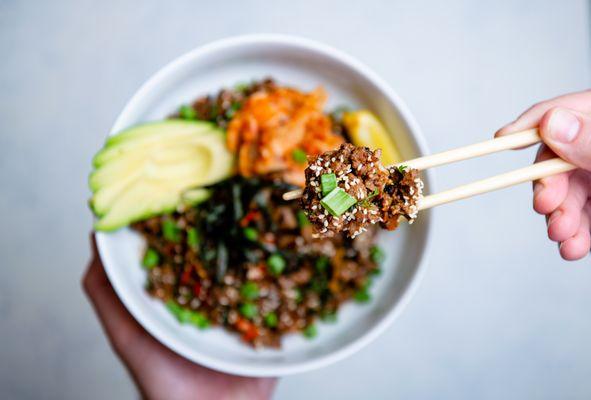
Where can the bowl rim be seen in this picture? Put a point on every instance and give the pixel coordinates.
(388, 317)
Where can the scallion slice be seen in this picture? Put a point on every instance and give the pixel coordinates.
(327, 183)
(337, 202)
(299, 156)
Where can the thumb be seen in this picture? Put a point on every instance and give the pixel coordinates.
(568, 134)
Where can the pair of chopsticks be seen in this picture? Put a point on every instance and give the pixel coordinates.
(521, 139)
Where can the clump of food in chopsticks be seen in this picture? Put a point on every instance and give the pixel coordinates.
(349, 189)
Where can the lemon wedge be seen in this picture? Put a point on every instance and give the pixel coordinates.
(366, 129)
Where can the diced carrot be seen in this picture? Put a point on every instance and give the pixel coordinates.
(242, 324)
(251, 334)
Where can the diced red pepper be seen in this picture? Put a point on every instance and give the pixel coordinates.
(252, 215)
(197, 289)
(186, 277)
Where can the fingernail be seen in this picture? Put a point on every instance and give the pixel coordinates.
(555, 215)
(563, 126)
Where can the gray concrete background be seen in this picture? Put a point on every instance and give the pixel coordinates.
(499, 315)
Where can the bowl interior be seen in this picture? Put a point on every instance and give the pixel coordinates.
(304, 66)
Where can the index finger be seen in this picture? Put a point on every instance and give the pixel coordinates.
(580, 101)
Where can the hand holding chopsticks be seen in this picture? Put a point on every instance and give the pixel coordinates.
(530, 173)
(514, 141)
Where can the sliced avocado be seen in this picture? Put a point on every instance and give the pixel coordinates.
(148, 135)
(136, 204)
(194, 197)
(153, 158)
(172, 177)
(104, 198)
(150, 179)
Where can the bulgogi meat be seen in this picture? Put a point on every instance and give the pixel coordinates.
(348, 189)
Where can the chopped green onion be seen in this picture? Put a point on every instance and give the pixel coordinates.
(311, 331)
(232, 110)
(319, 284)
(193, 238)
(337, 113)
(327, 183)
(241, 86)
(198, 319)
(298, 295)
(330, 317)
(362, 296)
(249, 291)
(365, 202)
(184, 315)
(322, 263)
(175, 309)
(251, 234)
(377, 254)
(402, 168)
(171, 231)
(271, 320)
(249, 310)
(187, 112)
(299, 156)
(151, 258)
(276, 264)
(303, 220)
(338, 202)
(214, 112)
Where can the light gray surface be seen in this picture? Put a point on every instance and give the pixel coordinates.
(498, 315)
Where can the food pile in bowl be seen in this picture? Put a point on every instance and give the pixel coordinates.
(204, 189)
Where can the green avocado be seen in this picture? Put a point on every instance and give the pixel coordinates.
(149, 134)
(194, 197)
(154, 170)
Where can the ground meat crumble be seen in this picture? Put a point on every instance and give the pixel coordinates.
(382, 194)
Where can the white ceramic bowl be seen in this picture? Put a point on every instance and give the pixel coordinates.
(304, 64)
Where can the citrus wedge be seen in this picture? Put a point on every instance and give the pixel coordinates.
(366, 129)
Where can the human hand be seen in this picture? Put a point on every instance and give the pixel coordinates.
(565, 127)
(158, 372)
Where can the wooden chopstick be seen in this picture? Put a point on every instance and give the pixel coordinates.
(514, 141)
(530, 173)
